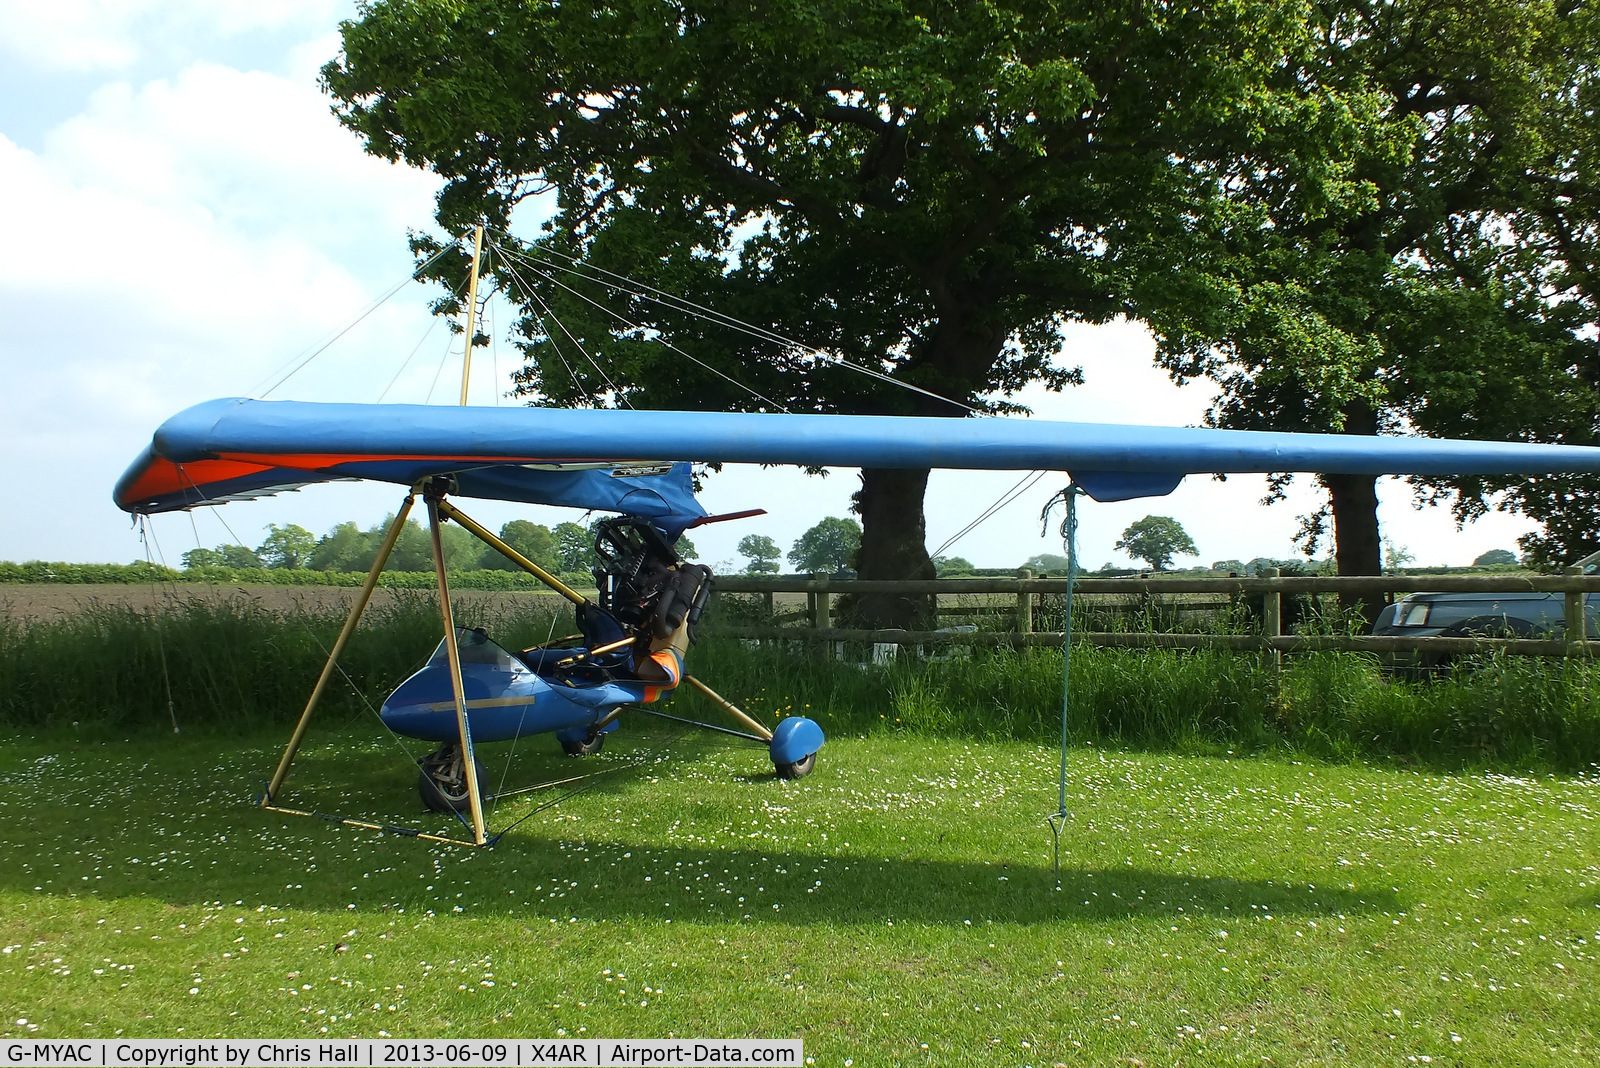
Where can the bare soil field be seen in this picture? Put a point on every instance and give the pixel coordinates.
(46, 601)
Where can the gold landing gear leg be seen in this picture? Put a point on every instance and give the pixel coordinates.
(730, 708)
(435, 503)
(393, 535)
(483, 534)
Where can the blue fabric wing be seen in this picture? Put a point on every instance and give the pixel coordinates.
(228, 448)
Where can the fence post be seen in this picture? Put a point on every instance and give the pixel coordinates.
(1272, 616)
(1024, 604)
(819, 612)
(770, 602)
(1573, 611)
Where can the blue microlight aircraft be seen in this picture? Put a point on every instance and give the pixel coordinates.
(637, 630)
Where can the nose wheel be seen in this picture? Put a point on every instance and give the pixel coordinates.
(442, 779)
(796, 769)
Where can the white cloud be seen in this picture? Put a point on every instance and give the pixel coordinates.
(177, 241)
(108, 35)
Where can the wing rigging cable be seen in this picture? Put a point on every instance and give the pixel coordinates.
(551, 315)
(1020, 487)
(433, 322)
(146, 537)
(374, 306)
(438, 372)
(426, 334)
(625, 284)
(651, 335)
(411, 759)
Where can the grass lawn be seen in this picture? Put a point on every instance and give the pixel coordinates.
(898, 906)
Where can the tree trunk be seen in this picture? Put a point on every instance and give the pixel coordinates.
(1356, 544)
(956, 362)
(1357, 548)
(893, 532)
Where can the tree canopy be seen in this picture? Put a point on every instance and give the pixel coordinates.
(288, 546)
(923, 190)
(761, 554)
(221, 556)
(348, 548)
(533, 540)
(829, 547)
(1156, 539)
(1454, 294)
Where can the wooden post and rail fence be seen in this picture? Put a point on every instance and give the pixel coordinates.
(819, 614)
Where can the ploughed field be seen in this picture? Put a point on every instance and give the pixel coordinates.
(897, 906)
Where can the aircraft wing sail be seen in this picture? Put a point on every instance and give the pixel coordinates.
(231, 448)
(239, 450)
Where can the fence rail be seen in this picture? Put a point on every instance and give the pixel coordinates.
(1240, 586)
(819, 591)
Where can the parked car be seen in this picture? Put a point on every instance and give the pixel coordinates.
(1477, 615)
(1497, 615)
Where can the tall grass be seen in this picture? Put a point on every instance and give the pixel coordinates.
(1504, 710)
(233, 665)
(225, 664)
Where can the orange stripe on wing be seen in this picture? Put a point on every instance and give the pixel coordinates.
(163, 477)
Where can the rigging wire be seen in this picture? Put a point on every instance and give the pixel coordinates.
(1069, 539)
(650, 334)
(374, 306)
(433, 323)
(146, 538)
(683, 304)
(623, 284)
(494, 351)
(426, 334)
(1008, 497)
(571, 374)
(214, 511)
(552, 316)
(516, 736)
(590, 782)
(411, 760)
(449, 350)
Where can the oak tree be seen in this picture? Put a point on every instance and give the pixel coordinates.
(830, 547)
(1156, 539)
(761, 554)
(920, 189)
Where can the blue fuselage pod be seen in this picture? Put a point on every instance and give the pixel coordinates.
(505, 698)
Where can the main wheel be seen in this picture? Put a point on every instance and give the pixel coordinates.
(442, 781)
(798, 769)
(579, 747)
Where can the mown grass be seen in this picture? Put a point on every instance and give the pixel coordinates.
(897, 906)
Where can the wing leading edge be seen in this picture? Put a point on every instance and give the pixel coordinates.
(233, 448)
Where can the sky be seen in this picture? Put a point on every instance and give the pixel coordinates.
(184, 219)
